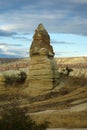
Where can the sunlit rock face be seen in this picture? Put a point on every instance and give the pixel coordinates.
(43, 72)
(41, 39)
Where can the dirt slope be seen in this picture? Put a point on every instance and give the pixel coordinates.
(65, 106)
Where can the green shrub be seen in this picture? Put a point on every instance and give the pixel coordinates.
(17, 119)
(15, 78)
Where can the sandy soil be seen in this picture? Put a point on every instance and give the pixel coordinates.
(76, 108)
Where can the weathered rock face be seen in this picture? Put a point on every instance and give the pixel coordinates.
(41, 39)
(43, 72)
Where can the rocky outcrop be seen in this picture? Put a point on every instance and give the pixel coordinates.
(41, 39)
(43, 72)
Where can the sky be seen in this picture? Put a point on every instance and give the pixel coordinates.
(65, 21)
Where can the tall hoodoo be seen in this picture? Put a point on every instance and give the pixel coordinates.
(41, 39)
(43, 72)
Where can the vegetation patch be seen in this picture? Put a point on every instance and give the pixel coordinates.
(16, 118)
(63, 119)
(15, 79)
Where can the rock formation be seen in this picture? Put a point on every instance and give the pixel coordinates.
(41, 39)
(43, 72)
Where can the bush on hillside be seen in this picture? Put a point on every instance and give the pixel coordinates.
(15, 78)
(17, 119)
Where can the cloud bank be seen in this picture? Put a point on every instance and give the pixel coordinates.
(19, 18)
(58, 16)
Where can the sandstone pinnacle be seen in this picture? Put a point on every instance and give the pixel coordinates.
(41, 39)
(40, 27)
(43, 72)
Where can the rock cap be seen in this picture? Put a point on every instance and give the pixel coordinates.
(41, 39)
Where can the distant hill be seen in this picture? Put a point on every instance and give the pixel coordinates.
(10, 60)
(7, 60)
(2, 55)
(78, 64)
(70, 60)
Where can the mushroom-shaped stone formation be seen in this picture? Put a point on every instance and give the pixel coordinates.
(41, 39)
(43, 73)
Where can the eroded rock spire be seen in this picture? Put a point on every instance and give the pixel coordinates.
(40, 27)
(43, 74)
(41, 39)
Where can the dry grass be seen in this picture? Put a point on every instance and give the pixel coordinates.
(67, 96)
(63, 120)
(72, 93)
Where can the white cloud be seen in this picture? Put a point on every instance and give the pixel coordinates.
(6, 50)
(3, 48)
(9, 51)
(26, 21)
(68, 18)
(78, 1)
(8, 27)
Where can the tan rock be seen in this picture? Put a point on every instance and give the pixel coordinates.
(41, 39)
(43, 73)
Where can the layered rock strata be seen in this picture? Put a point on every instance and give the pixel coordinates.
(43, 73)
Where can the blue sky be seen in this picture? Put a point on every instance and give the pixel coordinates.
(65, 21)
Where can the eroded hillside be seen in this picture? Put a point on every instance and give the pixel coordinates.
(78, 64)
(63, 106)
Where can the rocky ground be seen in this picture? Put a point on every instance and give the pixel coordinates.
(65, 106)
